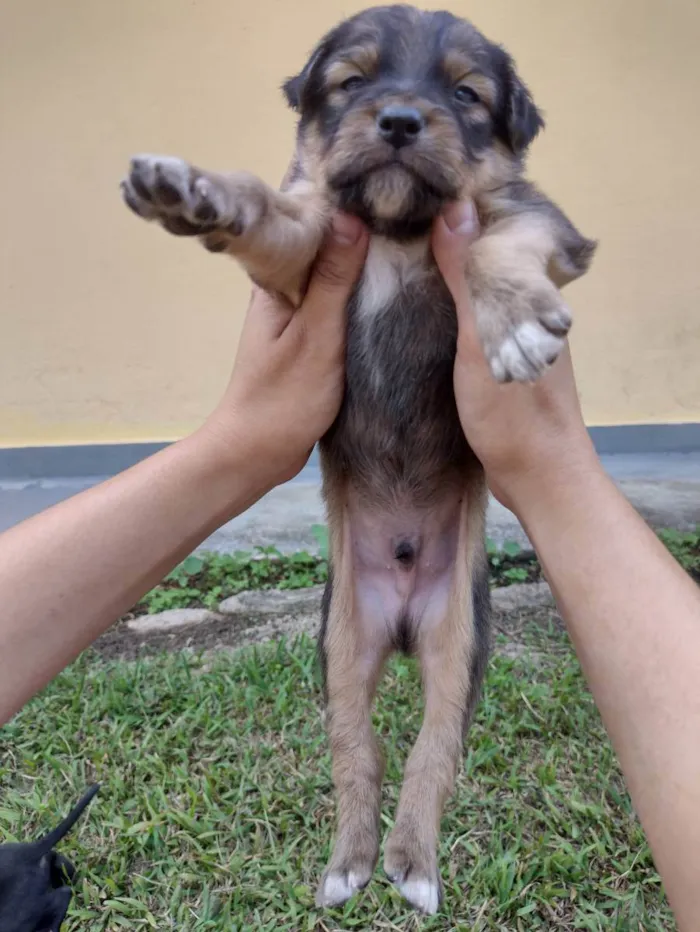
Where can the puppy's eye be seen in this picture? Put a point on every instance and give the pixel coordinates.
(466, 95)
(353, 83)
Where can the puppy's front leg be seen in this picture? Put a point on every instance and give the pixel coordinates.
(275, 235)
(515, 271)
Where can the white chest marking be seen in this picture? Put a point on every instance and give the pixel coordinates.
(390, 267)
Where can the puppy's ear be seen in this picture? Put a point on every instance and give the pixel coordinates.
(296, 89)
(292, 91)
(521, 120)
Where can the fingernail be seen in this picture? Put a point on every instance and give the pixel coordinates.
(461, 218)
(346, 229)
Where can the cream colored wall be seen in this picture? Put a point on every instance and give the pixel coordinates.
(113, 331)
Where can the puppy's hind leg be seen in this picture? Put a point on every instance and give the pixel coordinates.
(452, 647)
(352, 661)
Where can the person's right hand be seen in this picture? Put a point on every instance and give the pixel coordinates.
(288, 379)
(524, 434)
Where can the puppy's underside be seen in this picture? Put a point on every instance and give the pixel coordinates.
(400, 112)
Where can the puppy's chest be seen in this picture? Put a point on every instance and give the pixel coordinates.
(401, 328)
(398, 425)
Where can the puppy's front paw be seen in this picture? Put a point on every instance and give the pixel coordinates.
(522, 331)
(187, 201)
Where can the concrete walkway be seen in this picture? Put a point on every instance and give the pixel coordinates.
(665, 489)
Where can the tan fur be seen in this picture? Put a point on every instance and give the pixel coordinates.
(361, 60)
(389, 192)
(353, 671)
(309, 160)
(493, 172)
(279, 250)
(280, 241)
(460, 69)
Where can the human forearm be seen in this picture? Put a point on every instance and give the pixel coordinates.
(633, 615)
(634, 618)
(69, 573)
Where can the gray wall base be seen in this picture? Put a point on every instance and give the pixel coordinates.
(74, 462)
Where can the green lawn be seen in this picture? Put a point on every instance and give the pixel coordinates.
(216, 809)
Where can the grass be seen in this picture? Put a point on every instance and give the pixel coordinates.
(216, 807)
(204, 579)
(685, 547)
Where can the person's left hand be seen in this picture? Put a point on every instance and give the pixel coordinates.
(288, 378)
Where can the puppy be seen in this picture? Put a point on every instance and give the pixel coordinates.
(34, 893)
(400, 112)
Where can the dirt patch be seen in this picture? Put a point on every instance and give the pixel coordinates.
(121, 643)
(527, 631)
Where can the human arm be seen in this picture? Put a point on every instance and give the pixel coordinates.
(69, 572)
(632, 612)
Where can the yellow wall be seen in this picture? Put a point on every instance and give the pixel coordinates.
(113, 331)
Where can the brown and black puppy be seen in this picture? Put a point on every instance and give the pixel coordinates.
(401, 111)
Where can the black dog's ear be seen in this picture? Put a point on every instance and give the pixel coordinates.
(521, 120)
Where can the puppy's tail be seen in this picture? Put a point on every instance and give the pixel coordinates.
(45, 844)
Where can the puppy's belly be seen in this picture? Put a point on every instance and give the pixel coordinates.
(403, 561)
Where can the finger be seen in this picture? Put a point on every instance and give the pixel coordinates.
(454, 231)
(336, 271)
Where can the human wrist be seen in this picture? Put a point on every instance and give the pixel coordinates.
(230, 462)
(539, 483)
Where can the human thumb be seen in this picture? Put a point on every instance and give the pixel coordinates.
(340, 261)
(453, 233)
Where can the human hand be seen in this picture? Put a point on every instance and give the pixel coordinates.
(288, 378)
(522, 433)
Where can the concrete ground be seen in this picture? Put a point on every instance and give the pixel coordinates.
(665, 489)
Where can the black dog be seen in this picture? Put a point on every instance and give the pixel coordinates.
(34, 891)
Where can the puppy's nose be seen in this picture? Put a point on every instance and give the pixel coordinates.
(400, 126)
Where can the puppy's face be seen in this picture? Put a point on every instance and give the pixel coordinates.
(402, 110)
